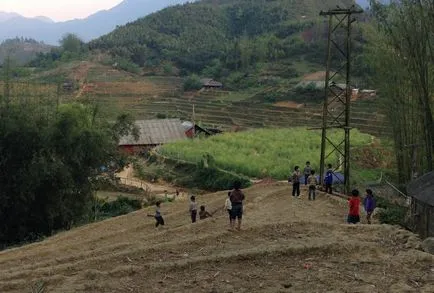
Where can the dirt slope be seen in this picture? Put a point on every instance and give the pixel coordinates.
(287, 245)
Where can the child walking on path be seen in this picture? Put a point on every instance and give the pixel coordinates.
(354, 205)
(306, 172)
(296, 182)
(193, 209)
(158, 217)
(369, 204)
(313, 182)
(237, 198)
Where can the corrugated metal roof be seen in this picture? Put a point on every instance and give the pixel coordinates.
(423, 188)
(154, 132)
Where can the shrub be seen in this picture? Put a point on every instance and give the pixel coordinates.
(121, 206)
(391, 213)
(192, 83)
(395, 215)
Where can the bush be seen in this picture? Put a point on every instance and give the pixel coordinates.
(121, 206)
(391, 213)
(394, 216)
(192, 83)
(127, 65)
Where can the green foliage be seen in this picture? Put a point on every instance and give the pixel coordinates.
(48, 160)
(218, 37)
(71, 44)
(127, 65)
(400, 54)
(121, 206)
(21, 50)
(392, 214)
(72, 48)
(193, 82)
(202, 175)
(310, 93)
(259, 153)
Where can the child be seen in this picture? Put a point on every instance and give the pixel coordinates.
(237, 198)
(354, 204)
(369, 204)
(296, 181)
(307, 172)
(328, 180)
(158, 217)
(193, 209)
(313, 182)
(228, 206)
(203, 214)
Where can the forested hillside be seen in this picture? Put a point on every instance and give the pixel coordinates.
(21, 50)
(222, 34)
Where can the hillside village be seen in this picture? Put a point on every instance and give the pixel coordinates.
(203, 148)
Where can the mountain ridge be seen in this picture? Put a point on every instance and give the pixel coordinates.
(44, 29)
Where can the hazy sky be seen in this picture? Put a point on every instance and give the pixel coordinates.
(57, 10)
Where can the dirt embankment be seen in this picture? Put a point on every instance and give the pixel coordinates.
(286, 245)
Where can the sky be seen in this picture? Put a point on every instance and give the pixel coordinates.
(58, 10)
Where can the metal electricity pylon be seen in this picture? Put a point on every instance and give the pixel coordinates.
(338, 92)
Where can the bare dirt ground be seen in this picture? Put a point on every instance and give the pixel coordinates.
(286, 245)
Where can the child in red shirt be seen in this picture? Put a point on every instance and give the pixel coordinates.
(354, 204)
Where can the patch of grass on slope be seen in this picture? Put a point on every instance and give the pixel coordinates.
(262, 152)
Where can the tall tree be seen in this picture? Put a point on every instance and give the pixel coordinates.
(403, 56)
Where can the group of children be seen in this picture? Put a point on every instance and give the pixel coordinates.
(234, 202)
(369, 205)
(233, 205)
(311, 180)
(203, 214)
(354, 202)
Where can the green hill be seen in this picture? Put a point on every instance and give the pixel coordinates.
(21, 50)
(219, 36)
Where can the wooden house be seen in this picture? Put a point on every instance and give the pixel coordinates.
(210, 84)
(152, 133)
(421, 191)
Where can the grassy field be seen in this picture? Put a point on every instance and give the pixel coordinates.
(260, 153)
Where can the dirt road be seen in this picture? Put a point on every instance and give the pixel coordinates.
(287, 245)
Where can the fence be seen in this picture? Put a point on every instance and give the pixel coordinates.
(389, 191)
(133, 182)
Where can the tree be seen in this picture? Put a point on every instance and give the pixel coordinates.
(47, 165)
(71, 43)
(403, 57)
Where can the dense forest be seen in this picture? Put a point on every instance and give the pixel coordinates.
(222, 34)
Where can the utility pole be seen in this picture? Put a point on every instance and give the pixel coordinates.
(337, 98)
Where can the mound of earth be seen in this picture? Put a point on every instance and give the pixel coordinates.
(286, 245)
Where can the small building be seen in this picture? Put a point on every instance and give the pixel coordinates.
(209, 83)
(68, 85)
(152, 133)
(193, 130)
(421, 191)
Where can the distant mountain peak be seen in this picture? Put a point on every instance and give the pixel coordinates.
(44, 19)
(98, 24)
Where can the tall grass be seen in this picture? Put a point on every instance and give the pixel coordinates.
(261, 153)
